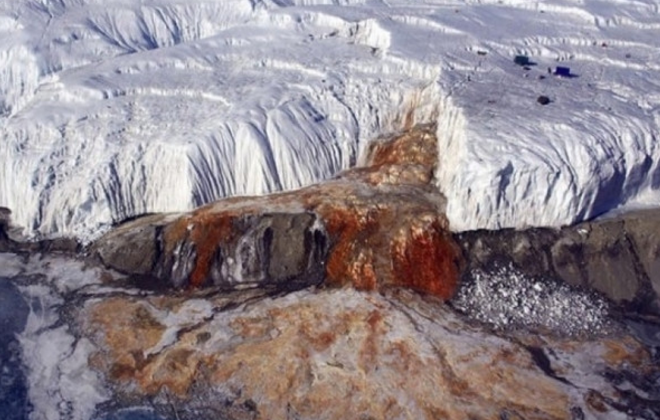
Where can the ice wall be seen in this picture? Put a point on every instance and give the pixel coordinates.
(507, 161)
(111, 109)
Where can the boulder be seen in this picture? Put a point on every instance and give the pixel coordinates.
(132, 247)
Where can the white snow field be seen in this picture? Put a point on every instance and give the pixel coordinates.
(114, 108)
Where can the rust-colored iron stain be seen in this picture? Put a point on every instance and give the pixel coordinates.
(319, 338)
(175, 233)
(428, 261)
(364, 273)
(364, 221)
(368, 354)
(208, 233)
(172, 369)
(133, 328)
(627, 351)
(122, 372)
(414, 148)
(350, 233)
(343, 227)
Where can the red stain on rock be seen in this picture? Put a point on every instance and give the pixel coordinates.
(350, 260)
(208, 233)
(384, 221)
(418, 149)
(368, 252)
(427, 260)
(374, 216)
(370, 349)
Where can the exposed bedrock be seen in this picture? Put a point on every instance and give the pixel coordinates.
(381, 224)
(340, 353)
(618, 257)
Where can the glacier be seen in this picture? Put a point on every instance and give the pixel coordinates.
(115, 108)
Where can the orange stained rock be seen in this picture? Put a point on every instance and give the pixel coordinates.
(627, 351)
(384, 220)
(134, 330)
(207, 234)
(174, 370)
(418, 147)
(337, 354)
(428, 260)
(347, 261)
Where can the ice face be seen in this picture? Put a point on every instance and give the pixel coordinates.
(111, 109)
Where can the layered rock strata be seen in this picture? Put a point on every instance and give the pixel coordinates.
(381, 224)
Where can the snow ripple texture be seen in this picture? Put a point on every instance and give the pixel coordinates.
(507, 299)
(110, 109)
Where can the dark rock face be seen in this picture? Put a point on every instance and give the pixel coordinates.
(9, 244)
(619, 258)
(279, 249)
(133, 247)
(285, 250)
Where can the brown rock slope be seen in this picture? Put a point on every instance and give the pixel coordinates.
(345, 354)
(378, 225)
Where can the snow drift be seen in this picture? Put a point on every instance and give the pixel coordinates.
(109, 109)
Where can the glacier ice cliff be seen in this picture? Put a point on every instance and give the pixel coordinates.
(111, 109)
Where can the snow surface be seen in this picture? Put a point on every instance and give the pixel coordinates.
(113, 108)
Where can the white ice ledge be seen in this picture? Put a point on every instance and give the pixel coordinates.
(109, 109)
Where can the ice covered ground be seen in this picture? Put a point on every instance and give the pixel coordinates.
(113, 108)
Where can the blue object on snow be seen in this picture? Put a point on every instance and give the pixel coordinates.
(563, 71)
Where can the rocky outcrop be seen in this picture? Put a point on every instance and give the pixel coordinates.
(92, 345)
(228, 250)
(618, 257)
(8, 243)
(378, 225)
(338, 354)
